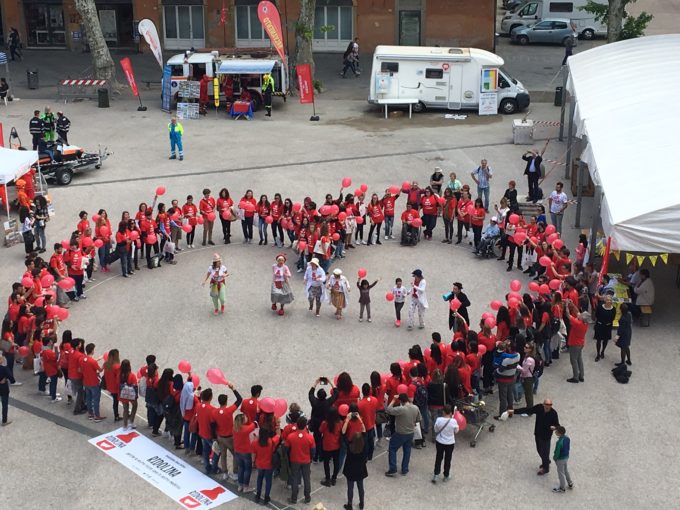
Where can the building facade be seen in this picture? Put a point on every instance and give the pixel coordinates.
(183, 24)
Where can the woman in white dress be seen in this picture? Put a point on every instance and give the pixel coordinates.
(217, 276)
(315, 290)
(281, 292)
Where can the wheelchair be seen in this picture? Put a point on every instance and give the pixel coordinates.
(410, 236)
(487, 247)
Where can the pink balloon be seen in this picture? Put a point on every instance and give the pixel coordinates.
(389, 296)
(226, 214)
(534, 286)
(187, 228)
(95, 218)
(343, 410)
(280, 407)
(455, 304)
(269, 220)
(393, 190)
(335, 236)
(98, 243)
(62, 313)
(106, 356)
(362, 273)
(151, 239)
(558, 244)
(516, 295)
(545, 261)
(104, 231)
(402, 388)
(216, 376)
(196, 380)
(184, 366)
(460, 419)
(134, 235)
(427, 352)
(297, 206)
(481, 349)
(324, 210)
(160, 191)
(27, 281)
(342, 216)
(87, 242)
(519, 237)
(513, 219)
(554, 284)
(52, 311)
(268, 405)
(200, 220)
(40, 301)
(66, 283)
(65, 244)
(490, 322)
(417, 223)
(552, 238)
(550, 229)
(359, 220)
(405, 186)
(487, 315)
(211, 216)
(495, 304)
(513, 302)
(364, 188)
(346, 182)
(515, 285)
(175, 217)
(544, 289)
(23, 351)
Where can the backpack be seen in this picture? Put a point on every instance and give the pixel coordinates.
(420, 398)
(538, 366)
(621, 374)
(169, 404)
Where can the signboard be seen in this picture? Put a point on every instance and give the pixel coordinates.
(305, 84)
(148, 30)
(382, 83)
(168, 473)
(488, 103)
(167, 89)
(271, 21)
(187, 111)
(189, 89)
(126, 64)
(489, 80)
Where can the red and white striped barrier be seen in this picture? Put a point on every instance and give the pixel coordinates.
(88, 83)
(81, 88)
(550, 123)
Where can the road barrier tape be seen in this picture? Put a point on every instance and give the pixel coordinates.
(550, 123)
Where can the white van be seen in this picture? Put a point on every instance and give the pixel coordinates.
(536, 10)
(436, 77)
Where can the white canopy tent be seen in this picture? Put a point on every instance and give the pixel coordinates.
(626, 111)
(13, 164)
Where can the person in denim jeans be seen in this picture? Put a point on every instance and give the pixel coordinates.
(264, 449)
(204, 414)
(242, 430)
(482, 177)
(124, 249)
(89, 367)
(406, 416)
(558, 202)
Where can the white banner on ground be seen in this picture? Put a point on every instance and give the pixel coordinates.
(165, 471)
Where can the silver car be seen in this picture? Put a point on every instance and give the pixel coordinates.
(555, 31)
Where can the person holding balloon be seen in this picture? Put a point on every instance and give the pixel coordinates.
(207, 206)
(248, 205)
(281, 292)
(263, 210)
(102, 232)
(365, 295)
(217, 276)
(463, 215)
(445, 429)
(190, 214)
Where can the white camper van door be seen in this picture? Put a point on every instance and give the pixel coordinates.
(455, 86)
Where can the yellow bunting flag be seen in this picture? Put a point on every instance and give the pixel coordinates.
(629, 257)
(664, 257)
(653, 259)
(640, 259)
(617, 254)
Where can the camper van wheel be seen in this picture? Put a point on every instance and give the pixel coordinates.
(523, 40)
(64, 177)
(588, 34)
(508, 106)
(419, 107)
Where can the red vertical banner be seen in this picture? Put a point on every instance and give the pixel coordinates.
(305, 84)
(129, 74)
(223, 15)
(271, 22)
(2, 136)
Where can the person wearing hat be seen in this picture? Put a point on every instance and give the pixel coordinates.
(63, 125)
(267, 91)
(417, 300)
(281, 293)
(339, 291)
(314, 279)
(491, 233)
(217, 275)
(22, 196)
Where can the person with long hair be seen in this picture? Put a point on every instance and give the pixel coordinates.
(477, 222)
(224, 208)
(449, 214)
(217, 275)
(444, 429)
(156, 391)
(173, 417)
(27, 220)
(375, 213)
(112, 379)
(249, 207)
(430, 207)
(277, 214)
(331, 437)
(264, 449)
(102, 231)
(526, 371)
(128, 398)
(263, 212)
(359, 212)
(502, 323)
(462, 215)
(624, 334)
(242, 451)
(149, 229)
(355, 468)
(288, 215)
(42, 216)
(378, 391)
(190, 215)
(604, 322)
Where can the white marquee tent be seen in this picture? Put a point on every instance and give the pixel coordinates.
(628, 113)
(13, 164)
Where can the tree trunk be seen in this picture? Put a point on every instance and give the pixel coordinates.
(615, 19)
(104, 68)
(304, 33)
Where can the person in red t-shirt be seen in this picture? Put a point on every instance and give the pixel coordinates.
(374, 211)
(90, 369)
(248, 205)
(190, 213)
(300, 444)
(207, 207)
(205, 413)
(463, 215)
(224, 419)
(368, 407)
(224, 208)
(112, 379)
(249, 405)
(276, 214)
(430, 207)
(74, 260)
(242, 451)
(263, 211)
(264, 448)
(477, 222)
(331, 437)
(75, 376)
(50, 369)
(388, 202)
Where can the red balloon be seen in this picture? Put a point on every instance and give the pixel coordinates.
(297, 206)
(545, 261)
(405, 186)
(515, 285)
(455, 304)
(269, 220)
(200, 220)
(362, 273)
(342, 216)
(95, 218)
(324, 210)
(550, 229)
(216, 376)
(160, 191)
(52, 311)
(175, 217)
(393, 190)
(98, 243)
(335, 236)
(23, 351)
(441, 200)
(558, 244)
(552, 238)
(514, 302)
(66, 283)
(481, 349)
(27, 281)
(544, 289)
(334, 210)
(460, 419)
(534, 286)
(470, 209)
(364, 188)
(211, 216)
(267, 404)
(358, 192)
(187, 228)
(302, 245)
(280, 407)
(495, 305)
(389, 296)
(513, 219)
(151, 239)
(66, 244)
(184, 366)
(402, 388)
(134, 235)
(554, 284)
(87, 242)
(359, 220)
(346, 182)
(487, 315)
(343, 410)
(40, 301)
(519, 237)
(417, 223)
(104, 231)
(62, 313)
(196, 380)
(226, 214)
(490, 322)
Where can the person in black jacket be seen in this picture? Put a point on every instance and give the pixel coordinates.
(546, 422)
(63, 125)
(457, 292)
(355, 469)
(36, 127)
(624, 334)
(533, 173)
(321, 403)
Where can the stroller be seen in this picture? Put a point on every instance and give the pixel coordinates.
(410, 236)
(476, 416)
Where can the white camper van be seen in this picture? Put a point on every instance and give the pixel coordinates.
(450, 78)
(534, 11)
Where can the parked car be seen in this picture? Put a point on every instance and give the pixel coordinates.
(555, 31)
